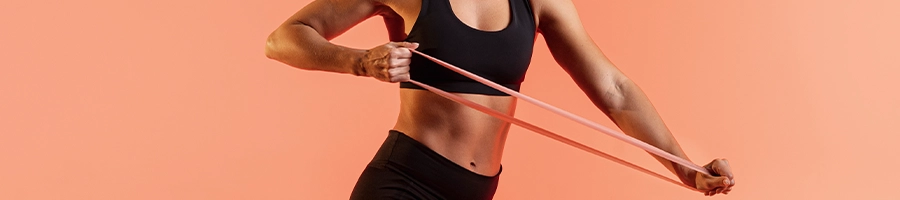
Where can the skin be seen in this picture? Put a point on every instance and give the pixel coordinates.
(463, 135)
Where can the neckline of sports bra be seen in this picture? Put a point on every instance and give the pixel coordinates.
(460, 22)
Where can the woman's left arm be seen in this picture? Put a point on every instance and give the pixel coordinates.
(616, 95)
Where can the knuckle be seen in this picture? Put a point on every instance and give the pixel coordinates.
(395, 52)
(395, 63)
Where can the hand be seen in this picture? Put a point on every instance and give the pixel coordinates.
(388, 62)
(721, 180)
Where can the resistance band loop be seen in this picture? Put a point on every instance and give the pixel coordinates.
(576, 118)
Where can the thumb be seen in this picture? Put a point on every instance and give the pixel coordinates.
(410, 45)
(718, 182)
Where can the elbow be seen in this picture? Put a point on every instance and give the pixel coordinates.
(272, 47)
(615, 94)
(281, 46)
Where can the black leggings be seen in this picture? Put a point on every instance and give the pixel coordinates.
(403, 168)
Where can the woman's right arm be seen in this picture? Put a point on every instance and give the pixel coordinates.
(303, 42)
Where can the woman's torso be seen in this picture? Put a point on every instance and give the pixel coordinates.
(465, 136)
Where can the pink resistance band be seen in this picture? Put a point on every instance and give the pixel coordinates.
(557, 137)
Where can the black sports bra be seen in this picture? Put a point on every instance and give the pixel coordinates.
(500, 56)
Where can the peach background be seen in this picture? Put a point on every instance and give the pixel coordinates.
(167, 99)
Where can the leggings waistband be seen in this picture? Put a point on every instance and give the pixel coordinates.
(428, 167)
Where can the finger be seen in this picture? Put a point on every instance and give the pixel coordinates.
(400, 62)
(400, 78)
(726, 191)
(395, 71)
(721, 167)
(401, 53)
(730, 184)
(399, 74)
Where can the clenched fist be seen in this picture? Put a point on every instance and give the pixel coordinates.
(388, 62)
(721, 180)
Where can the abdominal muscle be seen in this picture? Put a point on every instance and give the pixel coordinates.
(467, 137)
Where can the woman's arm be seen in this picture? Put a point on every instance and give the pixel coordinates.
(611, 91)
(303, 41)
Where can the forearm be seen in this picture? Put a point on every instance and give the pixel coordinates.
(300, 46)
(632, 111)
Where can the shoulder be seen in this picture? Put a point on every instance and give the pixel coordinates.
(549, 11)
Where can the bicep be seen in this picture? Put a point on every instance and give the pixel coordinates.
(331, 18)
(573, 48)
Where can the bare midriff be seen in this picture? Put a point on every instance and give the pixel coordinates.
(467, 137)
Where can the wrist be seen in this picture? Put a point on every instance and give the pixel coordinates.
(355, 61)
(357, 66)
